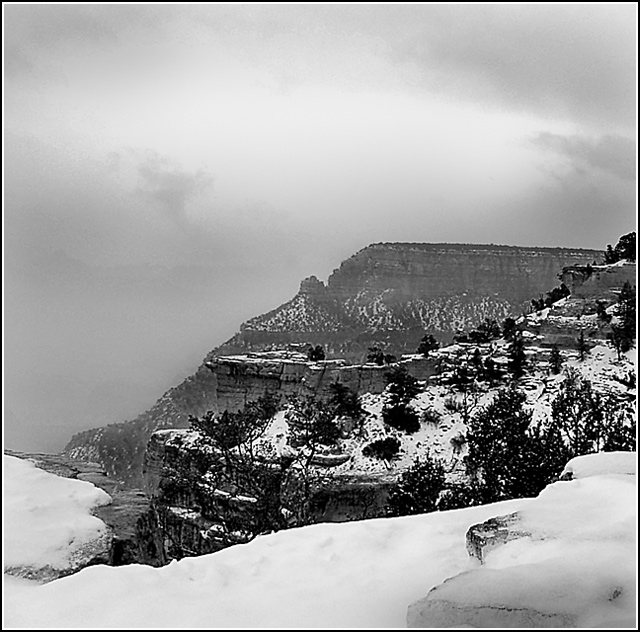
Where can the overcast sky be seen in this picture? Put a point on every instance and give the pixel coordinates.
(243, 148)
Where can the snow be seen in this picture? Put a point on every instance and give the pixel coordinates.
(358, 574)
(47, 518)
(604, 463)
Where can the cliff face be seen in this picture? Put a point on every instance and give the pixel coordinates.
(386, 294)
(393, 293)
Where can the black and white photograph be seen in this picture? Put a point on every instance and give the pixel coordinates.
(319, 315)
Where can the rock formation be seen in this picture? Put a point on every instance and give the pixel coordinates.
(560, 562)
(386, 294)
(133, 526)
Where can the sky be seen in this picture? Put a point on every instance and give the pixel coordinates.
(172, 170)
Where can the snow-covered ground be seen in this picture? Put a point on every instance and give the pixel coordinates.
(349, 575)
(48, 527)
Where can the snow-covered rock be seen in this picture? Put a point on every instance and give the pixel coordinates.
(49, 531)
(566, 559)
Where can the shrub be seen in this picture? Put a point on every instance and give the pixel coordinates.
(402, 386)
(386, 448)
(452, 404)
(427, 345)
(418, 488)
(375, 355)
(401, 417)
(316, 353)
(431, 416)
(344, 401)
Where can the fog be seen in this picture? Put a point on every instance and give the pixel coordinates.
(171, 171)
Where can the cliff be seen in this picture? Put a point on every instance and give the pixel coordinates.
(386, 294)
(390, 294)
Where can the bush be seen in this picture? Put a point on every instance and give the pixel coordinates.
(452, 404)
(344, 401)
(375, 355)
(418, 488)
(316, 354)
(402, 386)
(401, 417)
(386, 448)
(427, 345)
(431, 416)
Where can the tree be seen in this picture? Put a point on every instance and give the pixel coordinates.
(583, 346)
(397, 412)
(418, 488)
(625, 249)
(499, 460)
(316, 353)
(555, 359)
(517, 356)
(589, 421)
(428, 344)
(601, 311)
(375, 355)
(491, 372)
(386, 449)
(620, 340)
(344, 401)
(509, 328)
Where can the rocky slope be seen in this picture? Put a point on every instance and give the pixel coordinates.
(355, 485)
(386, 294)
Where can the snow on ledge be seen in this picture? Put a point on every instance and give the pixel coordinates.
(601, 463)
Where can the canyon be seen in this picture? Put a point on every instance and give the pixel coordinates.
(386, 295)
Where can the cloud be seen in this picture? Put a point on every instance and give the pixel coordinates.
(164, 182)
(613, 154)
(567, 61)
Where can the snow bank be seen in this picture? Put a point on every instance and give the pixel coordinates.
(602, 463)
(577, 566)
(353, 575)
(47, 521)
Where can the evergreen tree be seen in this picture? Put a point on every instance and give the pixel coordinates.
(427, 345)
(578, 414)
(397, 412)
(555, 359)
(517, 356)
(583, 346)
(500, 461)
(509, 328)
(316, 353)
(375, 355)
(601, 311)
(344, 401)
(418, 489)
